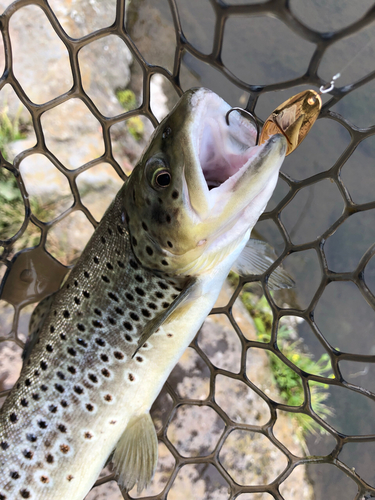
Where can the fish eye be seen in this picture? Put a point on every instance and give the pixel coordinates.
(162, 178)
(158, 173)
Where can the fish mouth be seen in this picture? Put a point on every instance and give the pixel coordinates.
(224, 148)
(226, 159)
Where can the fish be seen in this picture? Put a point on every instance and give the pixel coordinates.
(102, 346)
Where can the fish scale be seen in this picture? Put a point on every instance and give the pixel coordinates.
(83, 350)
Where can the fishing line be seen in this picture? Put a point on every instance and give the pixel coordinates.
(331, 85)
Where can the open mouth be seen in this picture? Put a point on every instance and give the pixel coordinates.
(224, 149)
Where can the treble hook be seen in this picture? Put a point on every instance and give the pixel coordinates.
(244, 111)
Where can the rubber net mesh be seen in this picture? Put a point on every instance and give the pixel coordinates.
(213, 460)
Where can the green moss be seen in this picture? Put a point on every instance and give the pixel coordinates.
(127, 99)
(287, 380)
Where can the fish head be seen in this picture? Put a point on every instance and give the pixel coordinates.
(199, 187)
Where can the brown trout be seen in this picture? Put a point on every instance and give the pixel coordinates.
(102, 347)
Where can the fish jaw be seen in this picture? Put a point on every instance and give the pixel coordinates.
(222, 183)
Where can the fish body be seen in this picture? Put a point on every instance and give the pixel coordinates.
(105, 343)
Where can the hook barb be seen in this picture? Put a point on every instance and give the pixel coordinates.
(248, 114)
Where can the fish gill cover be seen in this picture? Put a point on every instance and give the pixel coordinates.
(59, 115)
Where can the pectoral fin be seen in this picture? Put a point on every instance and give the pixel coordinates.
(136, 454)
(165, 315)
(256, 258)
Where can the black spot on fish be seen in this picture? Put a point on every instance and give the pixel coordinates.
(86, 274)
(164, 262)
(149, 250)
(89, 407)
(4, 445)
(131, 377)
(113, 296)
(159, 295)
(120, 229)
(72, 370)
(134, 316)
(144, 226)
(162, 285)
(111, 320)
(100, 341)
(36, 373)
(75, 283)
(88, 435)
(146, 313)
(14, 475)
(129, 296)
(62, 428)
(118, 355)
(120, 264)
(31, 437)
(108, 397)
(72, 351)
(25, 493)
(42, 424)
(78, 389)
(140, 291)
(175, 194)
(139, 359)
(28, 454)
(50, 458)
(59, 388)
(51, 328)
(158, 214)
(109, 230)
(93, 378)
(105, 278)
(97, 324)
(49, 348)
(62, 336)
(44, 388)
(63, 403)
(64, 448)
(168, 218)
(109, 266)
(81, 327)
(86, 294)
(133, 264)
(96, 260)
(170, 244)
(104, 358)
(13, 417)
(103, 240)
(151, 305)
(77, 301)
(60, 375)
(165, 305)
(66, 313)
(27, 382)
(44, 479)
(128, 338)
(128, 325)
(24, 402)
(134, 241)
(119, 311)
(52, 408)
(35, 396)
(81, 342)
(106, 372)
(139, 278)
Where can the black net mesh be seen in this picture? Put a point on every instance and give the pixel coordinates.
(195, 53)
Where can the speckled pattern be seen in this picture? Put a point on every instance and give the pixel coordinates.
(82, 359)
